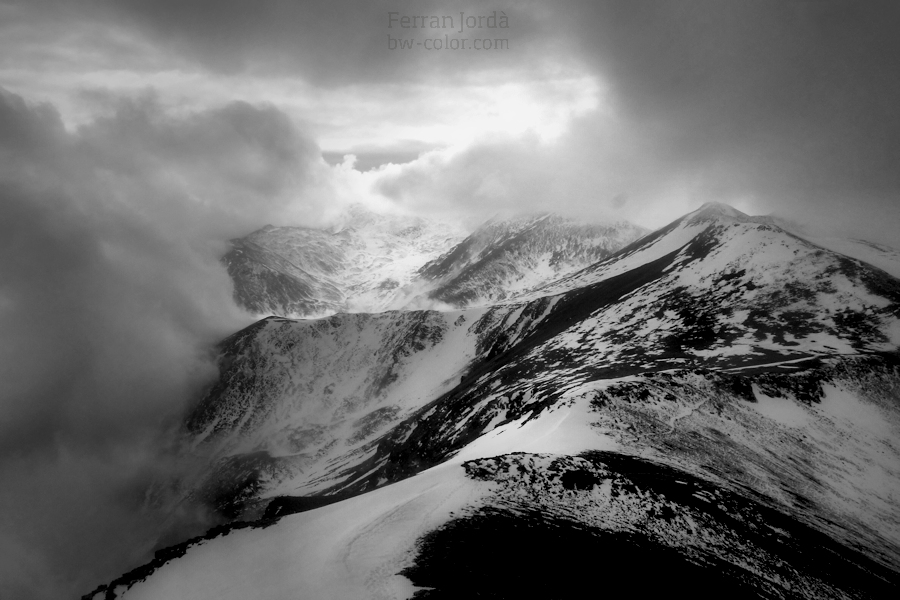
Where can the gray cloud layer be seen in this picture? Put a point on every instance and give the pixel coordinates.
(784, 106)
(787, 98)
(328, 43)
(789, 103)
(111, 298)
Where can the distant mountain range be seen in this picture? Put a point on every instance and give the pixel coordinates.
(356, 265)
(714, 405)
(371, 262)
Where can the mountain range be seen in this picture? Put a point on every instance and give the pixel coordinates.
(542, 407)
(369, 262)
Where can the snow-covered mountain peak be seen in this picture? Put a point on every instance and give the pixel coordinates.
(713, 228)
(713, 211)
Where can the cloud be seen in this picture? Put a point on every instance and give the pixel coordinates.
(319, 41)
(584, 173)
(329, 67)
(239, 162)
(111, 299)
(790, 103)
(770, 106)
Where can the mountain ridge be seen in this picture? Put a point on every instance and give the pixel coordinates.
(367, 262)
(692, 331)
(751, 365)
(503, 259)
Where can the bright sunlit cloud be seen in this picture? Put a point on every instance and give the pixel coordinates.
(432, 113)
(444, 115)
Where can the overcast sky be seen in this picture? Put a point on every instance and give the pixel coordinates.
(635, 109)
(137, 136)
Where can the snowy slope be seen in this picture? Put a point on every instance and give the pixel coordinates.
(503, 259)
(355, 265)
(878, 255)
(530, 489)
(720, 398)
(298, 398)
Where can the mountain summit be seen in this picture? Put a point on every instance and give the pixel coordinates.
(717, 399)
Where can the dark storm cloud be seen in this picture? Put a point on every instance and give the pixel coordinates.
(245, 158)
(775, 105)
(324, 42)
(803, 91)
(328, 42)
(799, 87)
(111, 297)
(785, 104)
(774, 98)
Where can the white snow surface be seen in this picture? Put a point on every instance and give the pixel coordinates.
(330, 386)
(346, 551)
(354, 549)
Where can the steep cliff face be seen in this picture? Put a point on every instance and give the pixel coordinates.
(720, 395)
